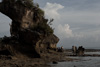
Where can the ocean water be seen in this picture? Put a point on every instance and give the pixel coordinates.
(81, 62)
(92, 53)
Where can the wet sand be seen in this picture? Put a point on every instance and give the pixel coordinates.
(11, 61)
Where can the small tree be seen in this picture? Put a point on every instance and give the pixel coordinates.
(50, 22)
(27, 3)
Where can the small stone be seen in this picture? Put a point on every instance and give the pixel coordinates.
(55, 62)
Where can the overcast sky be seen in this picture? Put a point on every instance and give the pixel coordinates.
(76, 22)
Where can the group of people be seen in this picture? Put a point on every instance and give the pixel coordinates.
(78, 51)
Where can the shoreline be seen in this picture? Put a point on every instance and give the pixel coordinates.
(86, 50)
(52, 57)
(69, 53)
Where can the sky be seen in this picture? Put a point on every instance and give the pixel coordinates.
(76, 22)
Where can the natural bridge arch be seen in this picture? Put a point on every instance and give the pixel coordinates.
(30, 33)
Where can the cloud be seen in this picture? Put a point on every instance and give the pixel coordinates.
(68, 37)
(64, 31)
(51, 10)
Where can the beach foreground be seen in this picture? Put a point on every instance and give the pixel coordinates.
(52, 57)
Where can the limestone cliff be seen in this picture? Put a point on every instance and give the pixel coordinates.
(30, 33)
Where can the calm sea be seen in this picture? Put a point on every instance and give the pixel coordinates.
(82, 62)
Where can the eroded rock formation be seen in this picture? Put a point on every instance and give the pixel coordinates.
(30, 33)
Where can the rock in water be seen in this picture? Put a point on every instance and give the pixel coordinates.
(30, 33)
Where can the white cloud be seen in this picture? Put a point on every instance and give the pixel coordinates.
(64, 31)
(51, 10)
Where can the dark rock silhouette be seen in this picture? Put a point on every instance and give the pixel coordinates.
(74, 50)
(81, 51)
(30, 34)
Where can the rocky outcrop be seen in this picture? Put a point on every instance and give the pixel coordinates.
(30, 33)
